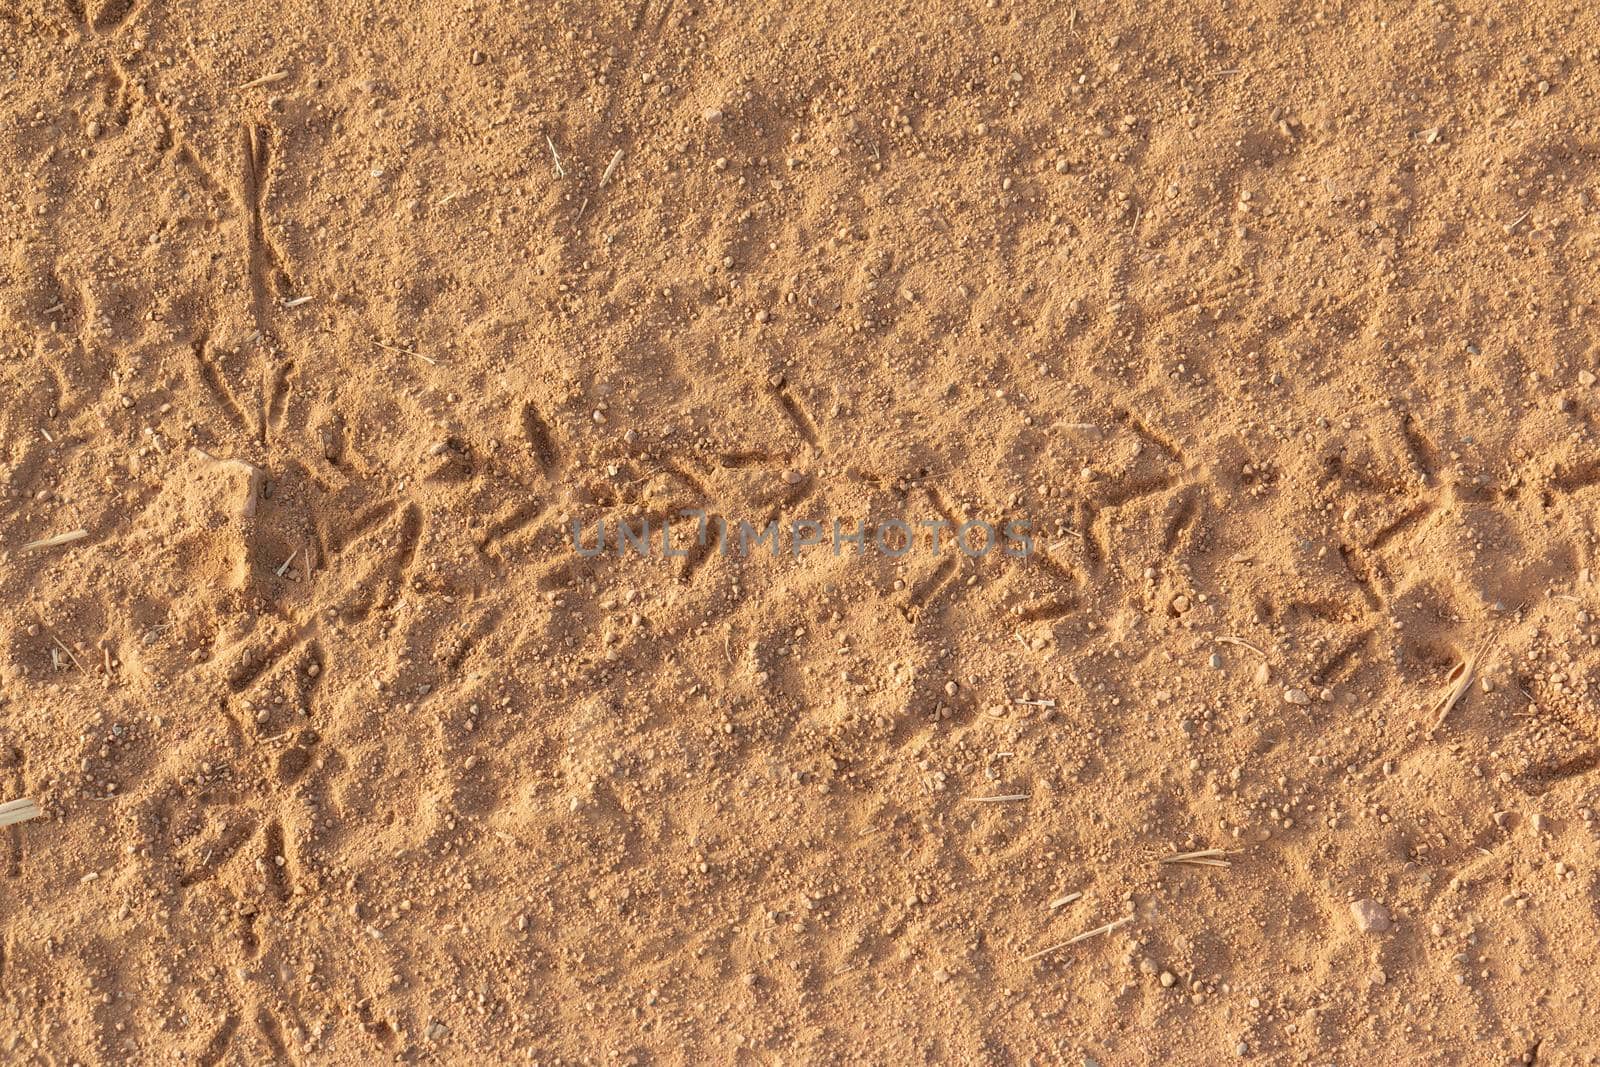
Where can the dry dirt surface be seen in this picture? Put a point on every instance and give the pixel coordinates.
(321, 323)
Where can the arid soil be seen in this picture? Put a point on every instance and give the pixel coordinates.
(320, 324)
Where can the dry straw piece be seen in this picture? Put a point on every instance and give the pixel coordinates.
(266, 79)
(1206, 857)
(19, 811)
(1086, 935)
(58, 539)
(1228, 639)
(611, 168)
(1457, 683)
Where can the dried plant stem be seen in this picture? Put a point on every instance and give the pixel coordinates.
(1242, 643)
(1096, 932)
(611, 168)
(58, 539)
(1206, 857)
(1457, 683)
(19, 811)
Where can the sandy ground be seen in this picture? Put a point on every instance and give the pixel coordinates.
(1275, 321)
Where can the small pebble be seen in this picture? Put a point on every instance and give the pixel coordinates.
(1370, 916)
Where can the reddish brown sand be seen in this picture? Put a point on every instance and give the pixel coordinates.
(1276, 320)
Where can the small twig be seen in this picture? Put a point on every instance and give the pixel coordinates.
(407, 351)
(1459, 682)
(1086, 935)
(1003, 798)
(266, 79)
(58, 539)
(1063, 901)
(1242, 643)
(611, 168)
(561, 172)
(70, 656)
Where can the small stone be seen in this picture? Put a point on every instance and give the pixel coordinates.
(712, 114)
(1370, 916)
(1297, 696)
(1168, 979)
(1586, 377)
